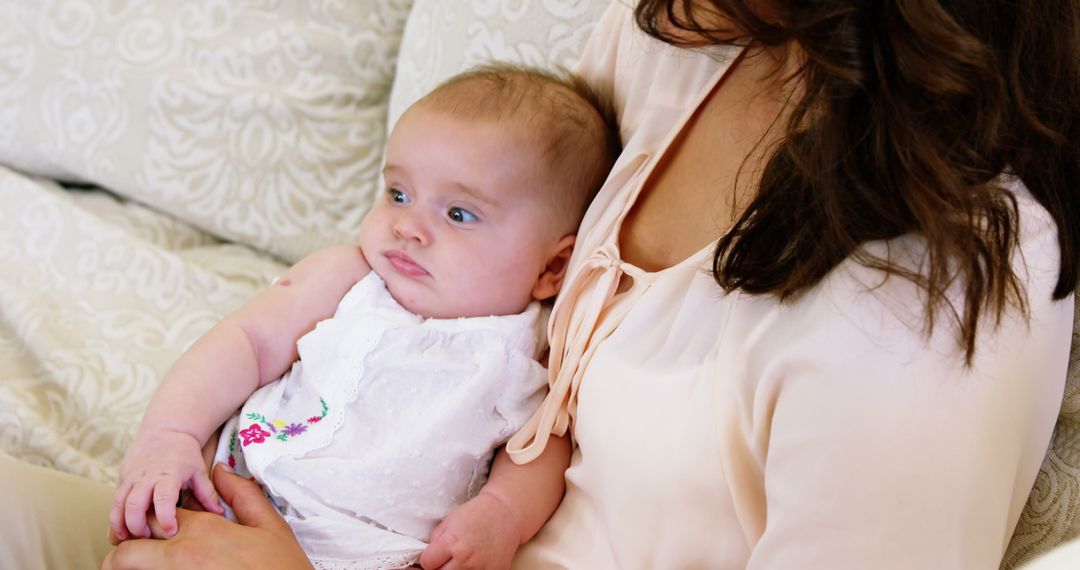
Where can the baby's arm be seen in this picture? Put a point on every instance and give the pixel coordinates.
(516, 501)
(248, 348)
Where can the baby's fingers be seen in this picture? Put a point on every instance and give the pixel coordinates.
(204, 491)
(135, 506)
(117, 529)
(166, 492)
(438, 553)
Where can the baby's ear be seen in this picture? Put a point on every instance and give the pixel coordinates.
(547, 285)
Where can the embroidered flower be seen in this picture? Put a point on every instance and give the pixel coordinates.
(280, 430)
(232, 462)
(253, 434)
(295, 429)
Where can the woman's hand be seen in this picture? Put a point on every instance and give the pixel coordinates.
(208, 541)
(482, 534)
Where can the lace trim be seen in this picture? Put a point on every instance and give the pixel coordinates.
(378, 563)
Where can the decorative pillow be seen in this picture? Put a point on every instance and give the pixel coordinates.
(261, 121)
(443, 38)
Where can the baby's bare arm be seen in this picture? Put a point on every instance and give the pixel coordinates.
(534, 490)
(516, 501)
(250, 347)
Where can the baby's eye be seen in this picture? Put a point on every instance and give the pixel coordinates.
(397, 196)
(461, 215)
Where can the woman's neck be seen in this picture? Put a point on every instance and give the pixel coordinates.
(709, 174)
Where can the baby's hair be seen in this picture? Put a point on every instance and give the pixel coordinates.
(568, 119)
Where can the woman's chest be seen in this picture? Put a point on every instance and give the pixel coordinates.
(664, 423)
(706, 175)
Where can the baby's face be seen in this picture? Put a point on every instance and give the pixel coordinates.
(463, 227)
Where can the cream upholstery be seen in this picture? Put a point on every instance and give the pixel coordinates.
(260, 122)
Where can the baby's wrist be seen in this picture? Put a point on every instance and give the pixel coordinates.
(507, 508)
(163, 435)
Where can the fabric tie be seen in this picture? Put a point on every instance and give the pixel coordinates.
(573, 335)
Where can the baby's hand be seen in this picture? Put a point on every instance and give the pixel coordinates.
(481, 534)
(157, 466)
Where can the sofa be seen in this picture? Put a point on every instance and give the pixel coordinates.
(161, 162)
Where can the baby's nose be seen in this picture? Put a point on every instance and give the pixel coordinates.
(410, 226)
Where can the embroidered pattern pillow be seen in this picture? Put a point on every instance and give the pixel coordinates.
(444, 38)
(260, 121)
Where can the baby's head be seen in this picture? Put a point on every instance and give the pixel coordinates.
(487, 178)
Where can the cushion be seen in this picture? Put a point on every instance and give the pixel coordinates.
(98, 297)
(260, 121)
(443, 38)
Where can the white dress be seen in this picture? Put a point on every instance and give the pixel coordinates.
(385, 424)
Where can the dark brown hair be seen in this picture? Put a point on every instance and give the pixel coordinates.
(572, 123)
(912, 111)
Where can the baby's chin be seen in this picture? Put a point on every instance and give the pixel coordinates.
(409, 300)
(426, 302)
(429, 307)
(420, 301)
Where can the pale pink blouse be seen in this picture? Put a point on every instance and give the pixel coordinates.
(720, 430)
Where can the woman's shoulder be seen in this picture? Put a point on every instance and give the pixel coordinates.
(1035, 260)
(885, 314)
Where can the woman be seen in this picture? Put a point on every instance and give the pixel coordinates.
(850, 350)
(818, 316)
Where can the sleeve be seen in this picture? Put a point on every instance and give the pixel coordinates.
(881, 450)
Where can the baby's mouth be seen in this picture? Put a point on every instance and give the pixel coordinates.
(404, 264)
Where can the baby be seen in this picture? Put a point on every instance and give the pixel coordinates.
(376, 380)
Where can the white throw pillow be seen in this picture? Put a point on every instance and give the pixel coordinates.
(443, 38)
(261, 121)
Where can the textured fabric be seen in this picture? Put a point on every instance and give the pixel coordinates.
(259, 121)
(386, 423)
(722, 430)
(98, 297)
(1065, 556)
(443, 38)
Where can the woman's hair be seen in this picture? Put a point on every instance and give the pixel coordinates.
(912, 110)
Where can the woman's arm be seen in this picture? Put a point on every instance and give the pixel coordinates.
(883, 450)
(250, 347)
(516, 501)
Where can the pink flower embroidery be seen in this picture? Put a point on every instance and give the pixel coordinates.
(253, 434)
(232, 462)
(313, 419)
